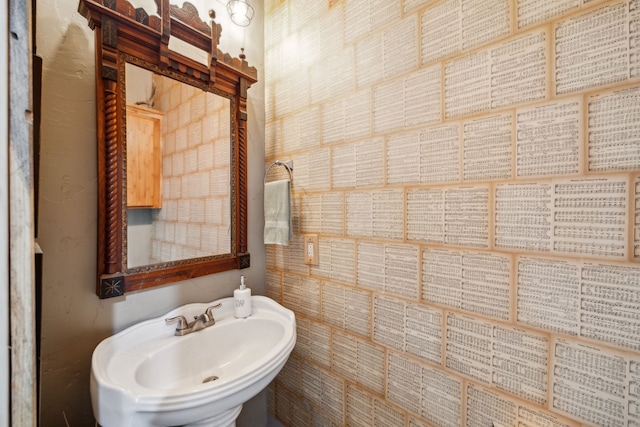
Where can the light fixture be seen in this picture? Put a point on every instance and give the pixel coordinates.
(240, 11)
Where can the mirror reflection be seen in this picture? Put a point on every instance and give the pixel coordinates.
(178, 157)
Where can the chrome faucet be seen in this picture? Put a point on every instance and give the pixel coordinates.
(200, 322)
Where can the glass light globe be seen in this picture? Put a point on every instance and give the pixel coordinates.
(240, 12)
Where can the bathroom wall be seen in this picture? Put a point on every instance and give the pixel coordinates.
(74, 319)
(471, 169)
(196, 217)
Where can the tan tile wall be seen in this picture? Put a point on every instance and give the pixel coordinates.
(195, 218)
(472, 170)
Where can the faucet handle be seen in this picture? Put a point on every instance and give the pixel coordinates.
(209, 310)
(183, 325)
(209, 313)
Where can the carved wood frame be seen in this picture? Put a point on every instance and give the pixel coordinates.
(123, 32)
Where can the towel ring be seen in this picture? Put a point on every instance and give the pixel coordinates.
(287, 164)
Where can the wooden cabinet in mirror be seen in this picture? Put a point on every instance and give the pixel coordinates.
(194, 113)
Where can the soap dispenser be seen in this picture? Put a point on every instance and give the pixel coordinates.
(242, 300)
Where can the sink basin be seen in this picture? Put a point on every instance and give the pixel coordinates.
(147, 376)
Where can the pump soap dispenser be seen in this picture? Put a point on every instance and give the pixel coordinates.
(242, 300)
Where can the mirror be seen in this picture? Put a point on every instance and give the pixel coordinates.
(172, 156)
(178, 170)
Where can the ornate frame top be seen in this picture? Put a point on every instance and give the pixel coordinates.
(121, 24)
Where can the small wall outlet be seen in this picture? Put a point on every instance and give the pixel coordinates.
(311, 249)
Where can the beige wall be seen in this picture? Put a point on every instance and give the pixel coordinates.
(471, 170)
(196, 217)
(74, 319)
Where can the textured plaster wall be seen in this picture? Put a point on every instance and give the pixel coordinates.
(446, 291)
(74, 319)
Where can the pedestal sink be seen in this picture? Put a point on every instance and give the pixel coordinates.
(147, 376)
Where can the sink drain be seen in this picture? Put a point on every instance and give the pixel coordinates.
(209, 379)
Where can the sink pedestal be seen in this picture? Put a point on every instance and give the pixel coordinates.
(224, 419)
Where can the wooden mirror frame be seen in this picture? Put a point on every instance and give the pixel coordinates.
(123, 32)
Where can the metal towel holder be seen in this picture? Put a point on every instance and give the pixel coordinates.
(288, 164)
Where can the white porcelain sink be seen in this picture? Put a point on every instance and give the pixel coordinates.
(147, 376)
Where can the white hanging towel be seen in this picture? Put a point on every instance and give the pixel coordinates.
(277, 213)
